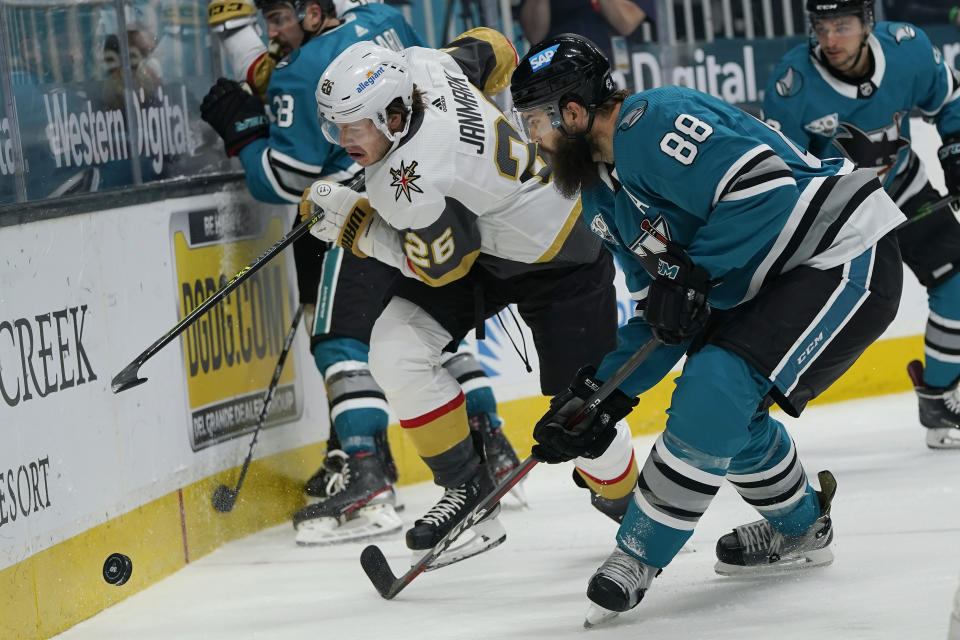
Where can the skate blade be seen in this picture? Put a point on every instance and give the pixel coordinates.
(369, 523)
(943, 438)
(597, 615)
(485, 536)
(809, 560)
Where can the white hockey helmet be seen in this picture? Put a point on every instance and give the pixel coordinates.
(360, 83)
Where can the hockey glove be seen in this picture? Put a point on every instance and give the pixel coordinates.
(228, 15)
(949, 155)
(346, 214)
(558, 441)
(676, 305)
(235, 114)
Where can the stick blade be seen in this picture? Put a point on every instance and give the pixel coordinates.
(127, 379)
(224, 498)
(375, 565)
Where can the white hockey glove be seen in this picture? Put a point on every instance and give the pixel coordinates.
(346, 214)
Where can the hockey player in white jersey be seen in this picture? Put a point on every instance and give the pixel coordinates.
(771, 270)
(352, 494)
(464, 207)
(850, 92)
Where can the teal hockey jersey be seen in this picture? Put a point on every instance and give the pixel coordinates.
(744, 201)
(868, 121)
(296, 154)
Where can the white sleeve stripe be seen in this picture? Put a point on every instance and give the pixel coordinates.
(272, 179)
(293, 164)
(640, 295)
(734, 169)
(770, 185)
(951, 93)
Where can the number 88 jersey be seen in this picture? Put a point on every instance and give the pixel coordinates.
(744, 201)
(463, 186)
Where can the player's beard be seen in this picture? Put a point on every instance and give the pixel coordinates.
(573, 165)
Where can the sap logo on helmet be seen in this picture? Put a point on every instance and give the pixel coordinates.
(542, 59)
(370, 80)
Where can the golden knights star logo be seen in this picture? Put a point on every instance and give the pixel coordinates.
(404, 179)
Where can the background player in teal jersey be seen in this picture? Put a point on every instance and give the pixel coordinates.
(850, 93)
(282, 158)
(771, 269)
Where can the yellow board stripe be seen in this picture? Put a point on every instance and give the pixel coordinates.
(554, 248)
(58, 587)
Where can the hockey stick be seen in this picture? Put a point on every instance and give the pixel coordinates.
(950, 202)
(127, 378)
(224, 497)
(375, 564)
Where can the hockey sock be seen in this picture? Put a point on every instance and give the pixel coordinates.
(710, 414)
(613, 474)
(942, 339)
(475, 384)
(767, 474)
(358, 409)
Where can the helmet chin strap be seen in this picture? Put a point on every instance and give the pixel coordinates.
(573, 136)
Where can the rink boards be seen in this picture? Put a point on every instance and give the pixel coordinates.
(85, 473)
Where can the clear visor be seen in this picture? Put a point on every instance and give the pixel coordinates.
(539, 121)
(360, 133)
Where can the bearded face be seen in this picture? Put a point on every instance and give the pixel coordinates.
(574, 168)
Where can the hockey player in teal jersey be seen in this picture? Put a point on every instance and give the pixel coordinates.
(850, 93)
(282, 158)
(771, 269)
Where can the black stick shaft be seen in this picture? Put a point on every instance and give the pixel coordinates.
(128, 378)
(374, 566)
(268, 397)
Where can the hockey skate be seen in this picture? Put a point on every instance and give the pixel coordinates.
(328, 480)
(499, 453)
(759, 549)
(362, 508)
(939, 410)
(450, 510)
(618, 585)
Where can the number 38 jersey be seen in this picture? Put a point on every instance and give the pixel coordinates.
(463, 187)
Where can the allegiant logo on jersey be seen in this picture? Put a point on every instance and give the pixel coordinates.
(542, 59)
(371, 79)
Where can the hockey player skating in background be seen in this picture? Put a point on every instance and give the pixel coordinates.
(712, 210)
(465, 209)
(354, 488)
(850, 93)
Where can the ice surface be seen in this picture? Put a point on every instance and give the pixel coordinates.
(897, 519)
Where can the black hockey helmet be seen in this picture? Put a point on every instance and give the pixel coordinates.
(835, 8)
(298, 6)
(566, 66)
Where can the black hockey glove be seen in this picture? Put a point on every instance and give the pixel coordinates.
(235, 114)
(558, 441)
(949, 155)
(676, 306)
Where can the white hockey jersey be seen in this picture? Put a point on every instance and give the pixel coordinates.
(463, 187)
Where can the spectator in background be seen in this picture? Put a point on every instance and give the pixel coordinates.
(922, 12)
(598, 20)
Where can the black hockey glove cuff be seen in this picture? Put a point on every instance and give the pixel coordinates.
(949, 154)
(236, 115)
(676, 306)
(558, 441)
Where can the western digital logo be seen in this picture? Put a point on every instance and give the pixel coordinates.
(371, 78)
(543, 58)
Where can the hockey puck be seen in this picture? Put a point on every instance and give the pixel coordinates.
(117, 569)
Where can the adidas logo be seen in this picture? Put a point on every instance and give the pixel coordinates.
(440, 103)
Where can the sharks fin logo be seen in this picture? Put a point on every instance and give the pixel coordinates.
(790, 83)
